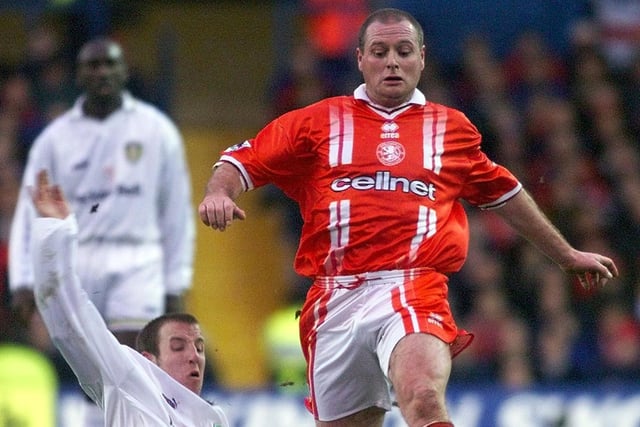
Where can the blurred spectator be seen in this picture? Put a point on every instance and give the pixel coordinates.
(488, 315)
(618, 24)
(299, 84)
(515, 371)
(20, 117)
(332, 29)
(531, 67)
(557, 327)
(556, 343)
(618, 342)
(482, 93)
(630, 89)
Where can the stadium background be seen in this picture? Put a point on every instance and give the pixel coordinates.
(218, 58)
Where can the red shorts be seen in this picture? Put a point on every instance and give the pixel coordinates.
(350, 325)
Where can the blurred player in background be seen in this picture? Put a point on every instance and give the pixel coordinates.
(379, 176)
(121, 163)
(160, 384)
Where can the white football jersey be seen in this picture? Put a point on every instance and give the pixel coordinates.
(127, 181)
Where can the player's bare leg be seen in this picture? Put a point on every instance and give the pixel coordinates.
(419, 370)
(370, 417)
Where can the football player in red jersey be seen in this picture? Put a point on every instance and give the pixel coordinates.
(379, 176)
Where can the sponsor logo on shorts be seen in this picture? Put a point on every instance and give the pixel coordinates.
(435, 319)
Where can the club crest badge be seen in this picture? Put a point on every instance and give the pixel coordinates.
(133, 151)
(390, 153)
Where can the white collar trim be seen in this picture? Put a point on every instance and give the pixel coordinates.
(417, 98)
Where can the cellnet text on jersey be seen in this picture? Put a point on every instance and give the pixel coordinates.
(384, 181)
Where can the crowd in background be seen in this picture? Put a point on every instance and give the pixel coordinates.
(567, 123)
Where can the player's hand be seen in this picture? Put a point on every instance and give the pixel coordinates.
(218, 211)
(48, 199)
(592, 270)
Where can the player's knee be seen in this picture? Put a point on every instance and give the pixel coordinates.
(424, 401)
(428, 394)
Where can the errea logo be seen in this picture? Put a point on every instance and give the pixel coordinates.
(389, 130)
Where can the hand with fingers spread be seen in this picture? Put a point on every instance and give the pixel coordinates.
(48, 199)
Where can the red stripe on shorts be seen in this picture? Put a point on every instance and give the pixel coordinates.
(319, 315)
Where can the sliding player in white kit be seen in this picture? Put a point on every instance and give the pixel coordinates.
(121, 164)
(159, 386)
(378, 177)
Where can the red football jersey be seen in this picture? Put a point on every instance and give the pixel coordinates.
(377, 189)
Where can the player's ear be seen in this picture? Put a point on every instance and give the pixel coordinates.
(150, 356)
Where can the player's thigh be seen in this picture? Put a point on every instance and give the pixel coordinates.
(419, 361)
(370, 417)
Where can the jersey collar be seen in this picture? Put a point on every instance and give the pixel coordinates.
(417, 98)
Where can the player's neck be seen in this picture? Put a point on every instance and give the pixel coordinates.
(101, 108)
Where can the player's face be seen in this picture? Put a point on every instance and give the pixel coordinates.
(181, 354)
(102, 72)
(391, 62)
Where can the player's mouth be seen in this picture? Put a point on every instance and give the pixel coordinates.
(195, 374)
(393, 79)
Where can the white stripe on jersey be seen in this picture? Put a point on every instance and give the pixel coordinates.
(433, 129)
(340, 137)
(339, 217)
(426, 227)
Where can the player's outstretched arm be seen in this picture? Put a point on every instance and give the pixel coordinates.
(218, 208)
(524, 215)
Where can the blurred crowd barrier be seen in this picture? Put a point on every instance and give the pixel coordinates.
(475, 406)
